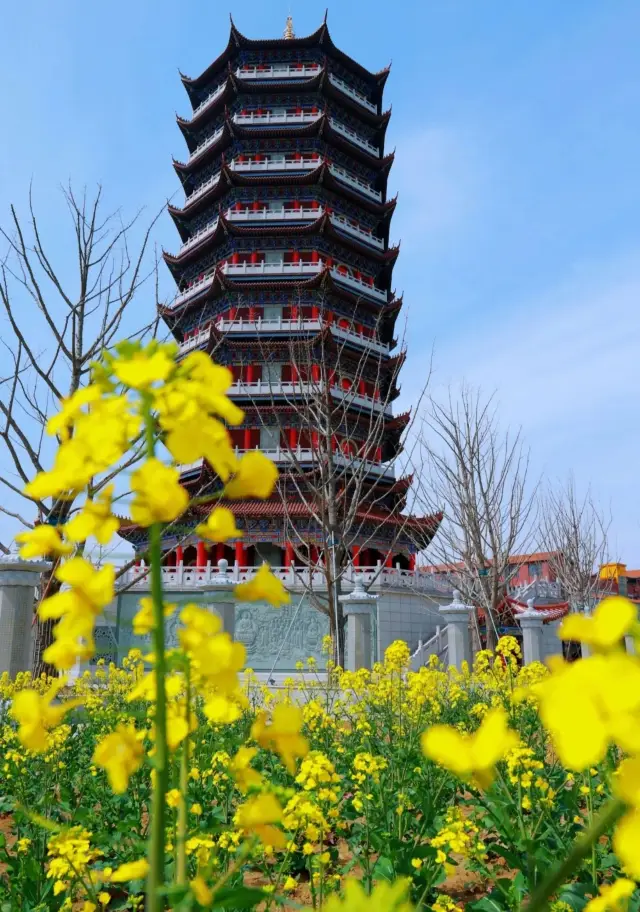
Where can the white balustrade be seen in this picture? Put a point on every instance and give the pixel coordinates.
(279, 71)
(292, 164)
(352, 93)
(217, 92)
(353, 180)
(295, 388)
(280, 268)
(303, 455)
(193, 290)
(360, 285)
(304, 578)
(194, 341)
(209, 141)
(210, 182)
(287, 326)
(354, 137)
(272, 215)
(199, 235)
(354, 228)
(252, 118)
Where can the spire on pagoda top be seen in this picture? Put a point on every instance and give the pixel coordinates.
(288, 29)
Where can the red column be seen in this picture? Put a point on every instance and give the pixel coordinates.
(294, 369)
(201, 554)
(315, 372)
(356, 555)
(412, 562)
(219, 551)
(241, 554)
(315, 440)
(247, 439)
(362, 389)
(389, 560)
(288, 555)
(179, 554)
(315, 312)
(378, 454)
(293, 438)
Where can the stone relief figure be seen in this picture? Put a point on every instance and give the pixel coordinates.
(246, 631)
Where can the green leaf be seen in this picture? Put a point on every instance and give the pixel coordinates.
(239, 898)
(383, 868)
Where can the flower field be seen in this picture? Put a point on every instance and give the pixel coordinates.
(178, 782)
(344, 784)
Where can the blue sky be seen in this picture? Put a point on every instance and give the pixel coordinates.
(515, 126)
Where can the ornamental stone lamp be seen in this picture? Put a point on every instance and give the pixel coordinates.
(226, 610)
(456, 617)
(18, 581)
(357, 607)
(531, 622)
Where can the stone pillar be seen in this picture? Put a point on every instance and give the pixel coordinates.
(357, 607)
(531, 622)
(226, 610)
(18, 581)
(456, 617)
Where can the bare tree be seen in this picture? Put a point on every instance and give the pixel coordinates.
(328, 422)
(477, 475)
(59, 323)
(575, 532)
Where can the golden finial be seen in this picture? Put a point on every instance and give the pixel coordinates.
(288, 29)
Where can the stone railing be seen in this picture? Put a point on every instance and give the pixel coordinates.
(354, 137)
(296, 578)
(353, 180)
(278, 71)
(437, 646)
(352, 93)
(303, 455)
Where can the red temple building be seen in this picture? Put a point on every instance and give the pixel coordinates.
(284, 236)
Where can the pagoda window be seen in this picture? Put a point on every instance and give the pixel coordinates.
(270, 438)
(272, 372)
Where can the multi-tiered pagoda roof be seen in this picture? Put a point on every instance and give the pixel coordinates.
(285, 256)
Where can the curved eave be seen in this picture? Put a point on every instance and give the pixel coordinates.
(279, 131)
(320, 38)
(188, 125)
(346, 101)
(183, 169)
(383, 209)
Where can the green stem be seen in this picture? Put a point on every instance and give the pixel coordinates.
(181, 842)
(580, 849)
(156, 879)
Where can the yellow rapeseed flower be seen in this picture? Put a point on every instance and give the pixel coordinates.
(612, 897)
(94, 519)
(42, 541)
(131, 870)
(282, 734)
(255, 476)
(159, 496)
(240, 768)
(263, 587)
(257, 815)
(385, 897)
(471, 756)
(120, 753)
(613, 618)
(36, 715)
(143, 368)
(201, 891)
(143, 618)
(220, 526)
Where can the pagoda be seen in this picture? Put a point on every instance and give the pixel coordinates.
(284, 236)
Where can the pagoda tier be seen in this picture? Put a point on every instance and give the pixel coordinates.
(285, 274)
